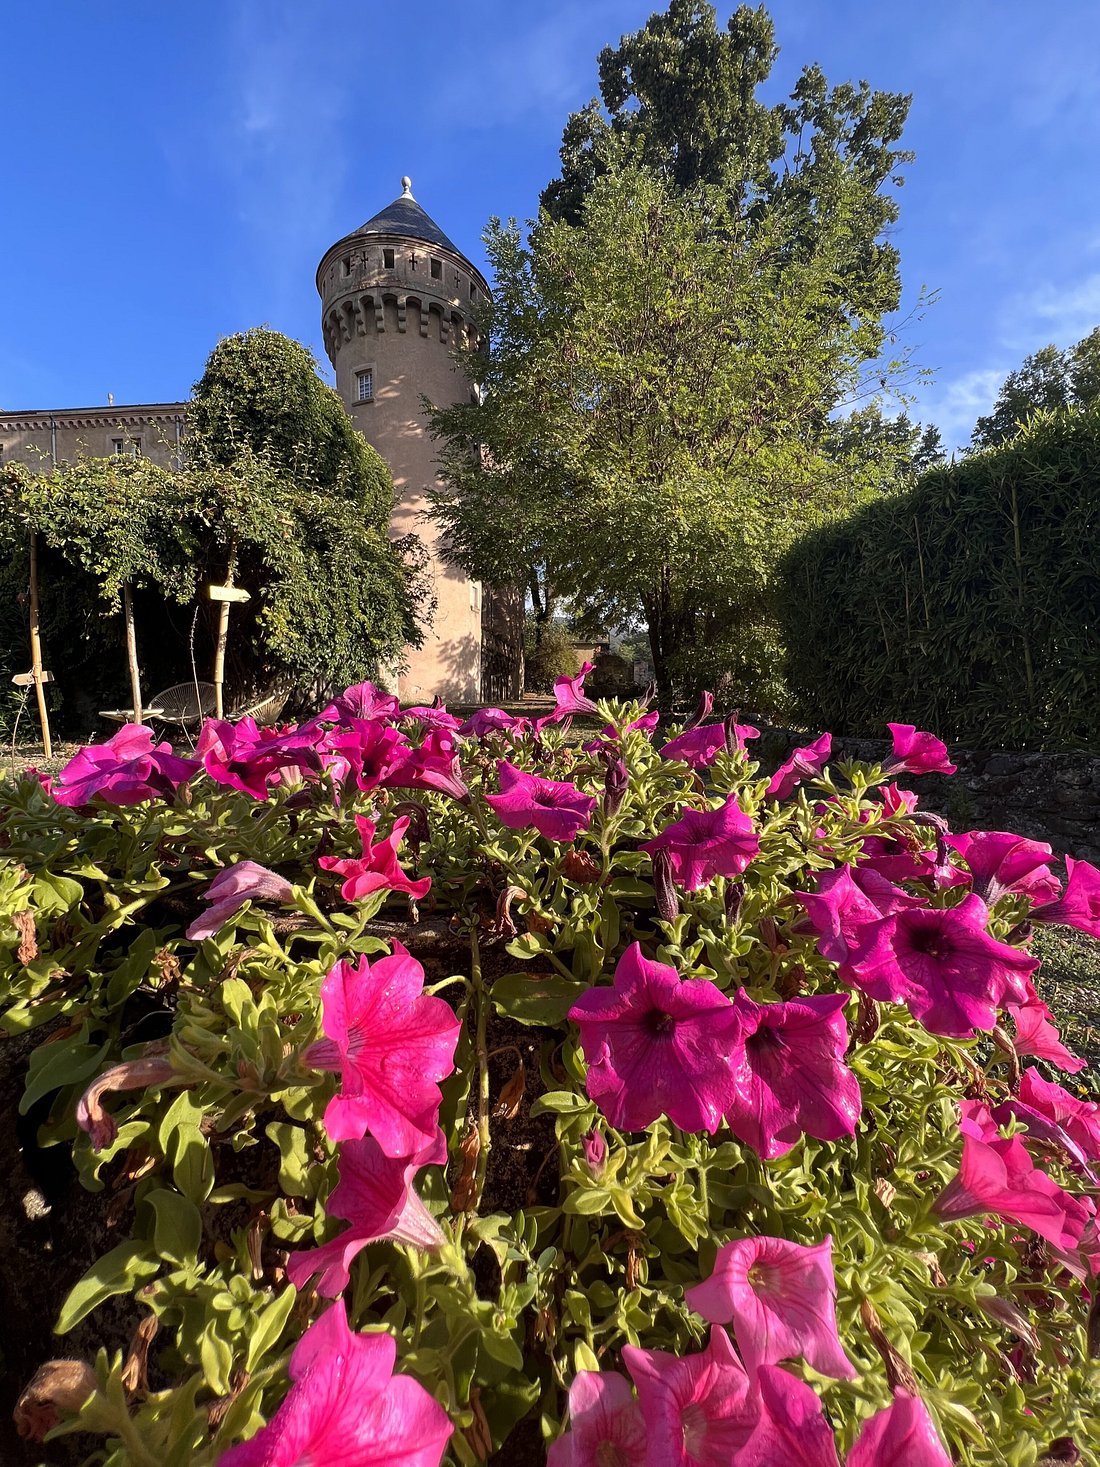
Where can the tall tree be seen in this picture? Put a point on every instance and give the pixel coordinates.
(1048, 379)
(651, 434)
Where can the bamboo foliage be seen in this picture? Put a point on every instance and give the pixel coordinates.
(970, 603)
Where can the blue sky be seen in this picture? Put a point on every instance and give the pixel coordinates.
(174, 174)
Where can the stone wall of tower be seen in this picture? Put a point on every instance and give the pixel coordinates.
(396, 307)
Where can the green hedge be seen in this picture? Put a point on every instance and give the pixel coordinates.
(969, 604)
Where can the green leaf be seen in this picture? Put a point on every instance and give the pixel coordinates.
(117, 1272)
(536, 998)
(62, 1062)
(559, 1102)
(177, 1227)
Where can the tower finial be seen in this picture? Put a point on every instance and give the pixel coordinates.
(406, 187)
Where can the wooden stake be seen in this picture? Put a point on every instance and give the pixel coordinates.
(131, 650)
(223, 636)
(36, 653)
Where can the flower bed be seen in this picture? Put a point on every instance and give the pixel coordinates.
(454, 1092)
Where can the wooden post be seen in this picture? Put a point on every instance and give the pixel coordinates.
(223, 634)
(36, 653)
(131, 650)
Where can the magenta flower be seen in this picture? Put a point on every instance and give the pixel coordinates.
(1052, 1114)
(378, 868)
(433, 766)
(125, 770)
(245, 757)
(916, 752)
(487, 721)
(606, 1428)
(390, 1043)
(1000, 862)
(555, 809)
(569, 695)
(903, 1436)
(789, 1074)
(432, 718)
(780, 1298)
(1080, 902)
(1036, 1035)
(594, 1147)
(791, 1427)
(657, 1044)
(363, 700)
(943, 964)
(247, 881)
(700, 746)
(996, 1175)
(804, 763)
(699, 1410)
(369, 749)
(704, 844)
(375, 1194)
(847, 899)
(346, 1408)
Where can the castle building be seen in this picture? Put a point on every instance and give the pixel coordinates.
(397, 298)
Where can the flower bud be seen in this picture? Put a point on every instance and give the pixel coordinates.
(1062, 1449)
(735, 897)
(668, 903)
(417, 832)
(733, 739)
(614, 787)
(702, 711)
(595, 1152)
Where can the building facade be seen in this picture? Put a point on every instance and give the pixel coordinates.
(397, 298)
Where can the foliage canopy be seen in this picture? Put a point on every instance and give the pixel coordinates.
(1046, 380)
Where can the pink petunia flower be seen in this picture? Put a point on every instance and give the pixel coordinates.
(657, 1044)
(847, 899)
(943, 964)
(1037, 1036)
(700, 746)
(606, 1428)
(996, 1175)
(700, 1410)
(378, 868)
(789, 1074)
(916, 752)
(1079, 905)
(791, 1427)
(704, 844)
(903, 1436)
(364, 700)
(780, 1298)
(804, 763)
(554, 808)
(246, 881)
(346, 1408)
(365, 748)
(569, 696)
(432, 766)
(389, 1042)
(1052, 1114)
(125, 770)
(375, 1194)
(1000, 862)
(245, 757)
(486, 721)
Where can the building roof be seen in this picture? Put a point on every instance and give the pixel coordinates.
(405, 218)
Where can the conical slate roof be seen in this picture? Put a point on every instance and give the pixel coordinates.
(405, 217)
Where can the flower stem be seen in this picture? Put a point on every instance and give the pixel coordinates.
(481, 1000)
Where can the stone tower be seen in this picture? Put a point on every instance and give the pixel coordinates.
(396, 298)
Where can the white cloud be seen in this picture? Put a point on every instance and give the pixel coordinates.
(955, 404)
(1059, 314)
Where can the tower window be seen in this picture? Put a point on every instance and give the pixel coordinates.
(387, 259)
(437, 269)
(473, 291)
(364, 386)
(129, 446)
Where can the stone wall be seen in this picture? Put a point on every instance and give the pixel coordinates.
(1051, 797)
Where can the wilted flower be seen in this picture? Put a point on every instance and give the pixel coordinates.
(554, 808)
(247, 881)
(657, 1044)
(606, 1428)
(378, 868)
(135, 1074)
(704, 844)
(58, 1388)
(346, 1406)
(942, 963)
(1000, 862)
(997, 1175)
(780, 1298)
(916, 752)
(390, 1043)
(789, 1075)
(1079, 905)
(903, 1436)
(804, 763)
(125, 770)
(375, 1194)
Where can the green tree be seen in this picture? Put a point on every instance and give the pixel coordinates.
(901, 449)
(1048, 379)
(650, 435)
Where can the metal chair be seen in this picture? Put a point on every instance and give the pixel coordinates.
(266, 711)
(185, 704)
